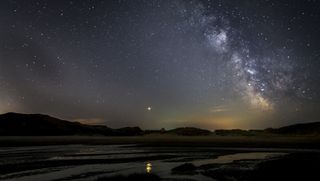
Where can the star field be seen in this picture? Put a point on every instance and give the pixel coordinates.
(212, 64)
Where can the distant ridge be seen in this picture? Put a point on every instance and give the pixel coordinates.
(190, 131)
(301, 128)
(296, 129)
(16, 124)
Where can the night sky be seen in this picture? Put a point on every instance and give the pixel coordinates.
(162, 64)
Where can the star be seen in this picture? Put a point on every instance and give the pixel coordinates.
(180, 56)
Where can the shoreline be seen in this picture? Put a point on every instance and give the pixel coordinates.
(305, 142)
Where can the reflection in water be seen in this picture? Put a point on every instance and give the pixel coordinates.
(148, 167)
(78, 155)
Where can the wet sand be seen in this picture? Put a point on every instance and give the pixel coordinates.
(108, 162)
(111, 158)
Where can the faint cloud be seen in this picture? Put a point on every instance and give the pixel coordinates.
(90, 121)
(218, 109)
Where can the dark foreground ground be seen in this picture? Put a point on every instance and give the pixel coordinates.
(175, 158)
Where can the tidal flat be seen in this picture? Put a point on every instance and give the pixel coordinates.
(98, 162)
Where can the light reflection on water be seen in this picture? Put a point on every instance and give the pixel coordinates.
(148, 167)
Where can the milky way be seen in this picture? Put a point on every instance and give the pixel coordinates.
(212, 64)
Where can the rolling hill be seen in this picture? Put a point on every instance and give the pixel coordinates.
(15, 124)
(298, 129)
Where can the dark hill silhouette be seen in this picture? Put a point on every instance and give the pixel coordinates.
(236, 132)
(15, 124)
(189, 131)
(297, 129)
